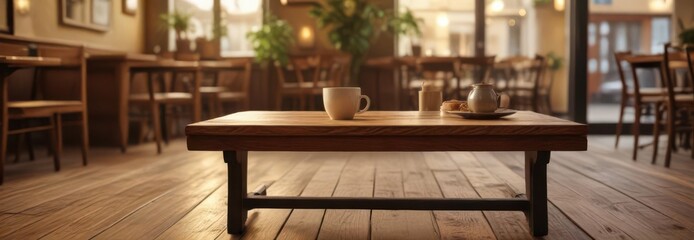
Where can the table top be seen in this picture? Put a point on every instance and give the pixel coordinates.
(123, 57)
(390, 123)
(25, 61)
(165, 64)
(654, 60)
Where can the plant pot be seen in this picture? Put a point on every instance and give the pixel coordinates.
(416, 50)
(183, 45)
(208, 49)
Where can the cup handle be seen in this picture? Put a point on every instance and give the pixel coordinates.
(368, 103)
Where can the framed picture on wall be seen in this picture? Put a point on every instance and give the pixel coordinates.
(130, 7)
(89, 14)
(6, 16)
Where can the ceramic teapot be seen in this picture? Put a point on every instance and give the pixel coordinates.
(483, 99)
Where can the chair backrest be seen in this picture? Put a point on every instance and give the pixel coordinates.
(672, 54)
(643, 62)
(70, 57)
(481, 67)
(429, 67)
(539, 67)
(302, 68)
(331, 70)
(242, 69)
(619, 58)
(689, 52)
(341, 69)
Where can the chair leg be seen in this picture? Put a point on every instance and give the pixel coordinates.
(670, 134)
(58, 149)
(636, 128)
(156, 126)
(85, 138)
(3, 147)
(30, 147)
(163, 119)
(18, 147)
(619, 122)
(656, 134)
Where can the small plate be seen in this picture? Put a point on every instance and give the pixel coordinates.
(499, 113)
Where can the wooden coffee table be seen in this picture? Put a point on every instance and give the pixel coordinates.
(533, 133)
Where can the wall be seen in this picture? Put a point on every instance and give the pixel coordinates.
(684, 9)
(552, 35)
(42, 21)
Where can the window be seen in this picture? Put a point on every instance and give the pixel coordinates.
(238, 16)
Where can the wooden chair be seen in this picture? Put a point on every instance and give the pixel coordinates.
(162, 94)
(530, 88)
(225, 90)
(642, 98)
(296, 80)
(676, 102)
(476, 69)
(332, 70)
(443, 71)
(45, 107)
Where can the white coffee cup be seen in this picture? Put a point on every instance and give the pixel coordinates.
(341, 103)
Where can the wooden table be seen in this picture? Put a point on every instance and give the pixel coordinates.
(109, 89)
(530, 132)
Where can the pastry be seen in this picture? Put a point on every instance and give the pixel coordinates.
(463, 107)
(452, 105)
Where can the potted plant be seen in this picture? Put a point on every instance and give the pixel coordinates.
(180, 23)
(272, 41)
(407, 24)
(209, 48)
(351, 26)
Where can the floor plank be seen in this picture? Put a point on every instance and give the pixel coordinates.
(602, 211)
(597, 194)
(267, 223)
(451, 182)
(563, 227)
(506, 225)
(305, 223)
(357, 180)
(392, 180)
(208, 219)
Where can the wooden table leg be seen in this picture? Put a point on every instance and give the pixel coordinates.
(236, 214)
(536, 190)
(124, 76)
(197, 103)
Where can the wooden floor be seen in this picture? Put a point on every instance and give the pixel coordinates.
(597, 194)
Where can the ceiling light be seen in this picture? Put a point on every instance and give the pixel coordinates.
(497, 6)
